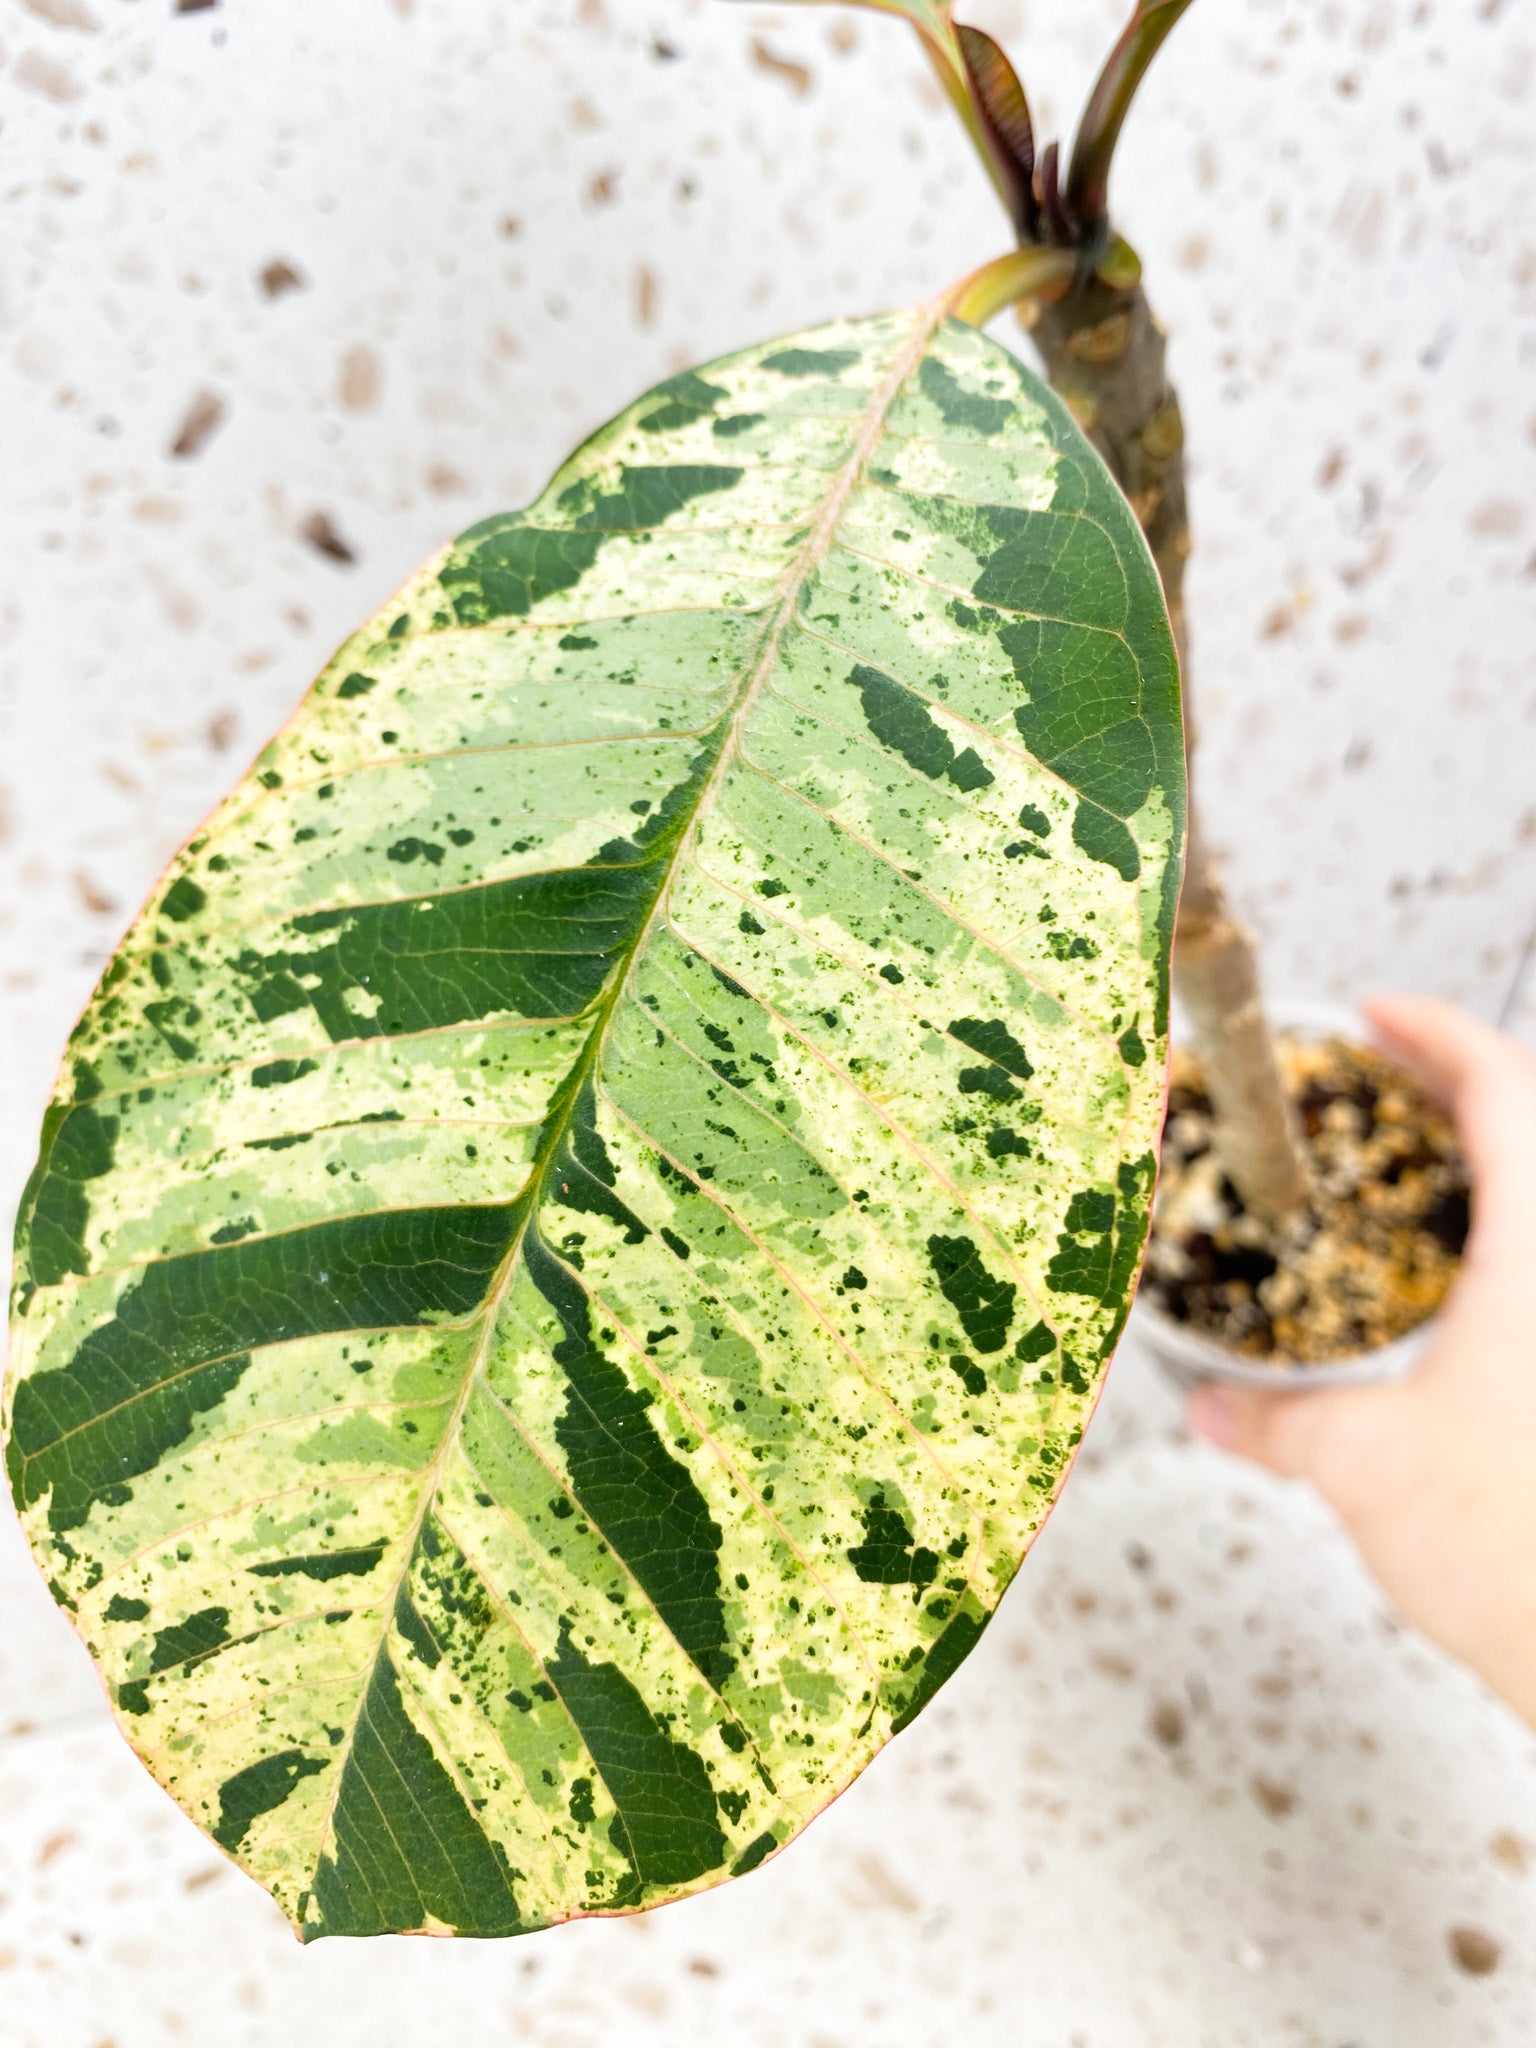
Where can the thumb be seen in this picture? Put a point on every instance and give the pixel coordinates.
(1298, 1435)
(1488, 1082)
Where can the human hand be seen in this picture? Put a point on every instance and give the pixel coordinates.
(1435, 1477)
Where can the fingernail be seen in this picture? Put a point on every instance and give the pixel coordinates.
(1209, 1414)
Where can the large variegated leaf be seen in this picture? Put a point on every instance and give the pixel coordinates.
(580, 1228)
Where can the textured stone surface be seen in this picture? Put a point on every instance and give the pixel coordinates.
(377, 268)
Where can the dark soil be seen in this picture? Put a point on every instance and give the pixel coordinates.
(1371, 1261)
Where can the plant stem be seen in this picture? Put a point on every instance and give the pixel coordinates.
(1087, 193)
(1022, 278)
(1104, 352)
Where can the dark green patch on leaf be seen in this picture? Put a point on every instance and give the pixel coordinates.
(276, 1073)
(260, 1788)
(1103, 837)
(988, 1080)
(991, 1036)
(811, 362)
(752, 1855)
(188, 1642)
(411, 848)
(944, 1658)
(959, 407)
(582, 1809)
(536, 945)
(1134, 1182)
(413, 1628)
(183, 899)
(1037, 1342)
(887, 1556)
(323, 1564)
(503, 568)
(648, 497)
(1081, 1264)
(77, 1146)
(629, 1484)
(408, 1849)
(900, 720)
(182, 1335)
(666, 1825)
(684, 399)
(970, 1374)
(583, 1176)
(1003, 1142)
(983, 1303)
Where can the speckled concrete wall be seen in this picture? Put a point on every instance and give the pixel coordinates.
(287, 294)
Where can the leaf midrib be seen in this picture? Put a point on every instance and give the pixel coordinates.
(805, 561)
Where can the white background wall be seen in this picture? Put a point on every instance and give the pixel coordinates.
(1193, 1789)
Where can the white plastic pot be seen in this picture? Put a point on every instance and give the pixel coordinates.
(1192, 1360)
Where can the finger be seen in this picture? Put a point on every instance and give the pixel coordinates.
(1489, 1084)
(1426, 1035)
(1282, 1432)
